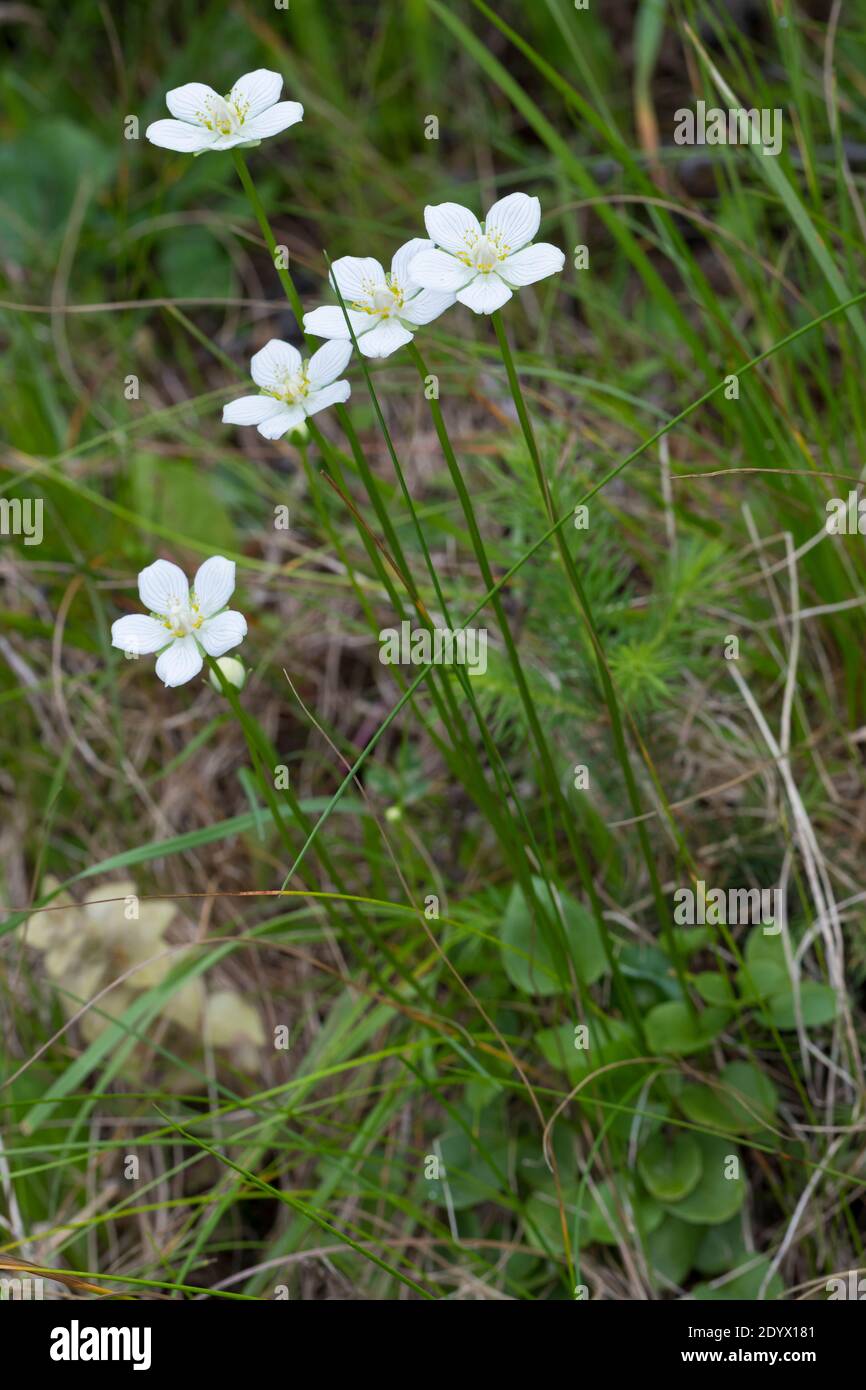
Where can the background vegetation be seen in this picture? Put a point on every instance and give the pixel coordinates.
(415, 1036)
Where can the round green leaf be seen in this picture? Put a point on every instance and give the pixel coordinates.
(672, 1027)
(744, 1286)
(609, 1216)
(670, 1166)
(526, 934)
(672, 1248)
(721, 1248)
(744, 1101)
(715, 989)
(716, 1197)
(817, 1006)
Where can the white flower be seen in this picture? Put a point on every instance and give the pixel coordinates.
(206, 121)
(292, 388)
(182, 623)
(383, 309)
(482, 265)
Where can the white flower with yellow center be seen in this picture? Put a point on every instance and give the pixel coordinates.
(384, 310)
(292, 388)
(206, 121)
(482, 265)
(182, 623)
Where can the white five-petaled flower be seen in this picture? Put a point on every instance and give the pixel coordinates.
(481, 265)
(384, 310)
(292, 388)
(206, 121)
(182, 623)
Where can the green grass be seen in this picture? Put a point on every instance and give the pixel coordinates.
(438, 901)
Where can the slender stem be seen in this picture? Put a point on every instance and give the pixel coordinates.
(610, 696)
(286, 280)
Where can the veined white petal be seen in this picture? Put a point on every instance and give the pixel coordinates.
(249, 410)
(272, 121)
(179, 662)
(214, 584)
(486, 293)
(436, 270)
(334, 394)
(425, 306)
(218, 635)
(327, 363)
(451, 226)
(256, 91)
(193, 102)
(177, 135)
(515, 219)
(139, 634)
(384, 337)
(402, 259)
(274, 363)
(160, 584)
(329, 321)
(356, 277)
(531, 264)
(286, 418)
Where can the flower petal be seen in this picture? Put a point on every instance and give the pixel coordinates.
(402, 259)
(272, 121)
(249, 410)
(256, 91)
(451, 226)
(436, 270)
(179, 662)
(194, 102)
(356, 277)
(334, 394)
(531, 264)
(274, 363)
(329, 321)
(218, 635)
(139, 634)
(425, 306)
(161, 583)
(327, 363)
(515, 219)
(485, 294)
(177, 135)
(286, 418)
(384, 338)
(214, 584)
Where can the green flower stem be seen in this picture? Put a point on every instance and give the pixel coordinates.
(286, 280)
(539, 737)
(610, 697)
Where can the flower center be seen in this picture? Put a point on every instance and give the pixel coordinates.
(182, 618)
(384, 300)
(223, 115)
(290, 387)
(486, 253)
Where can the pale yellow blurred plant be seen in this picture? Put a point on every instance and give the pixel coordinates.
(87, 945)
